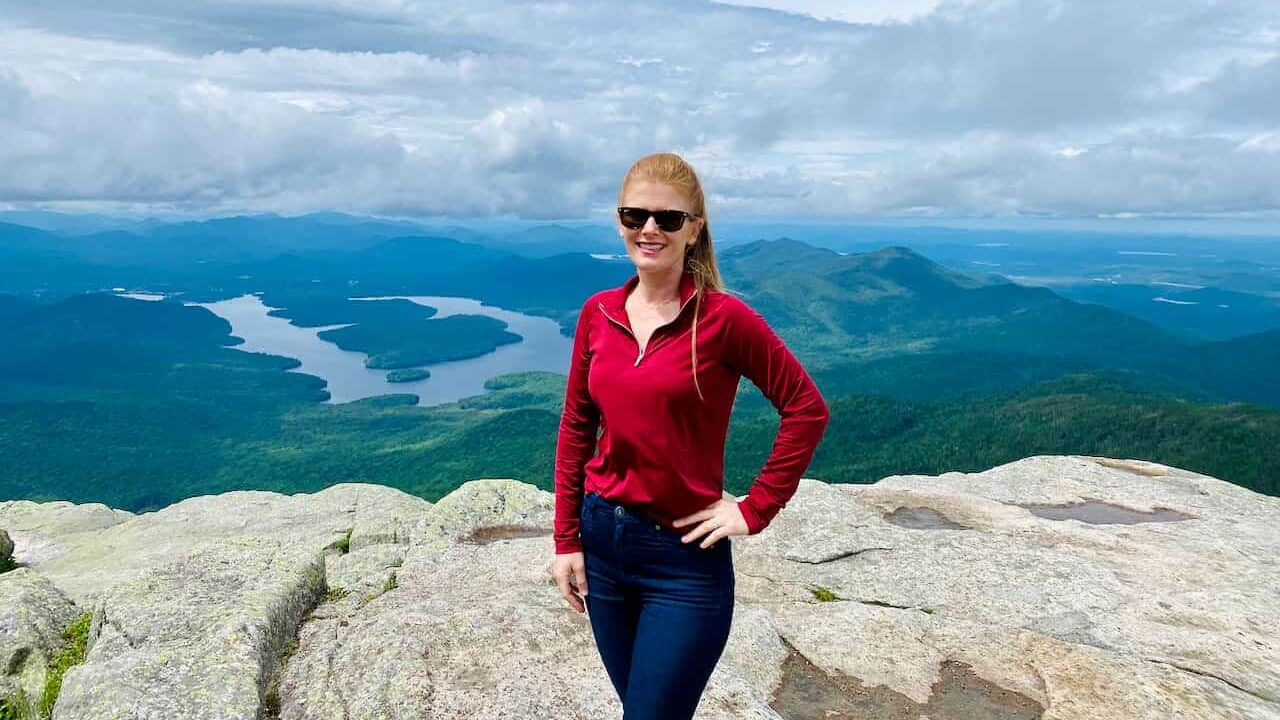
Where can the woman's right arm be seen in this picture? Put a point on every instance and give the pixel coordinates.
(576, 443)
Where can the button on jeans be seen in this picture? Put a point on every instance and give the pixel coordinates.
(660, 609)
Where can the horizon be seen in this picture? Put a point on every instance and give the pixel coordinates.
(1188, 227)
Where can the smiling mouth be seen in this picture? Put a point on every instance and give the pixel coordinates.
(652, 247)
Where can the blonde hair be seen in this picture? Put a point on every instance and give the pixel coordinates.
(700, 258)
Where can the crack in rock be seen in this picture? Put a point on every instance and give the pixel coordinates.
(881, 603)
(836, 556)
(1210, 676)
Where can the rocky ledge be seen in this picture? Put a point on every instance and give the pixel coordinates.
(1050, 587)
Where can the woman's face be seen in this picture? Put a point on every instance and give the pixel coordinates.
(649, 247)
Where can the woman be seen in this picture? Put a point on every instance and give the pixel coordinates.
(644, 524)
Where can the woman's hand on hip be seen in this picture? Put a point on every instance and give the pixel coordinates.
(717, 520)
(570, 571)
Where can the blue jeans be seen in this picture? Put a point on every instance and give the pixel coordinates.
(660, 609)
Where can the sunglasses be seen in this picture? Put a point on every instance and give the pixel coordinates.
(634, 218)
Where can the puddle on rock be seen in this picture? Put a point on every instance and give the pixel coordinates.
(1137, 468)
(922, 518)
(1101, 513)
(959, 694)
(809, 693)
(493, 533)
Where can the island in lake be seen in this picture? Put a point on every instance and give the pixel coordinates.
(403, 375)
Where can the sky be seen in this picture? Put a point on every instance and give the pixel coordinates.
(786, 108)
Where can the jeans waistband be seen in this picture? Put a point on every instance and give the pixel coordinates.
(624, 513)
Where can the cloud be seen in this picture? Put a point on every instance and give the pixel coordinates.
(403, 107)
(1144, 172)
(865, 11)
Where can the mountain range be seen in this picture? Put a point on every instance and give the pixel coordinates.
(926, 368)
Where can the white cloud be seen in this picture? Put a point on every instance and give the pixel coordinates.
(1266, 142)
(639, 62)
(865, 11)
(1028, 106)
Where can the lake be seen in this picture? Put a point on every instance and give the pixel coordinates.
(542, 348)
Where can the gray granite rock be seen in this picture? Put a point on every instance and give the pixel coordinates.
(376, 514)
(1147, 620)
(492, 508)
(364, 569)
(6, 549)
(42, 532)
(196, 637)
(193, 603)
(1051, 587)
(391, 652)
(32, 615)
(85, 552)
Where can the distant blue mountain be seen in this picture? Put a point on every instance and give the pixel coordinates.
(1208, 313)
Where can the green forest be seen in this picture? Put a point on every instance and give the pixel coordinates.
(926, 370)
(142, 456)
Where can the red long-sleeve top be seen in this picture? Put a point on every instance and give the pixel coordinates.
(661, 449)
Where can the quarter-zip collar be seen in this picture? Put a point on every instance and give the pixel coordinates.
(614, 302)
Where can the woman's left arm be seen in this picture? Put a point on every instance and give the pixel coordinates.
(757, 352)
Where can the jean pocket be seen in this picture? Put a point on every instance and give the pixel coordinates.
(719, 546)
(712, 555)
(666, 555)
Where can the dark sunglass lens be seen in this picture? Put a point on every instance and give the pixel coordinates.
(669, 220)
(633, 218)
